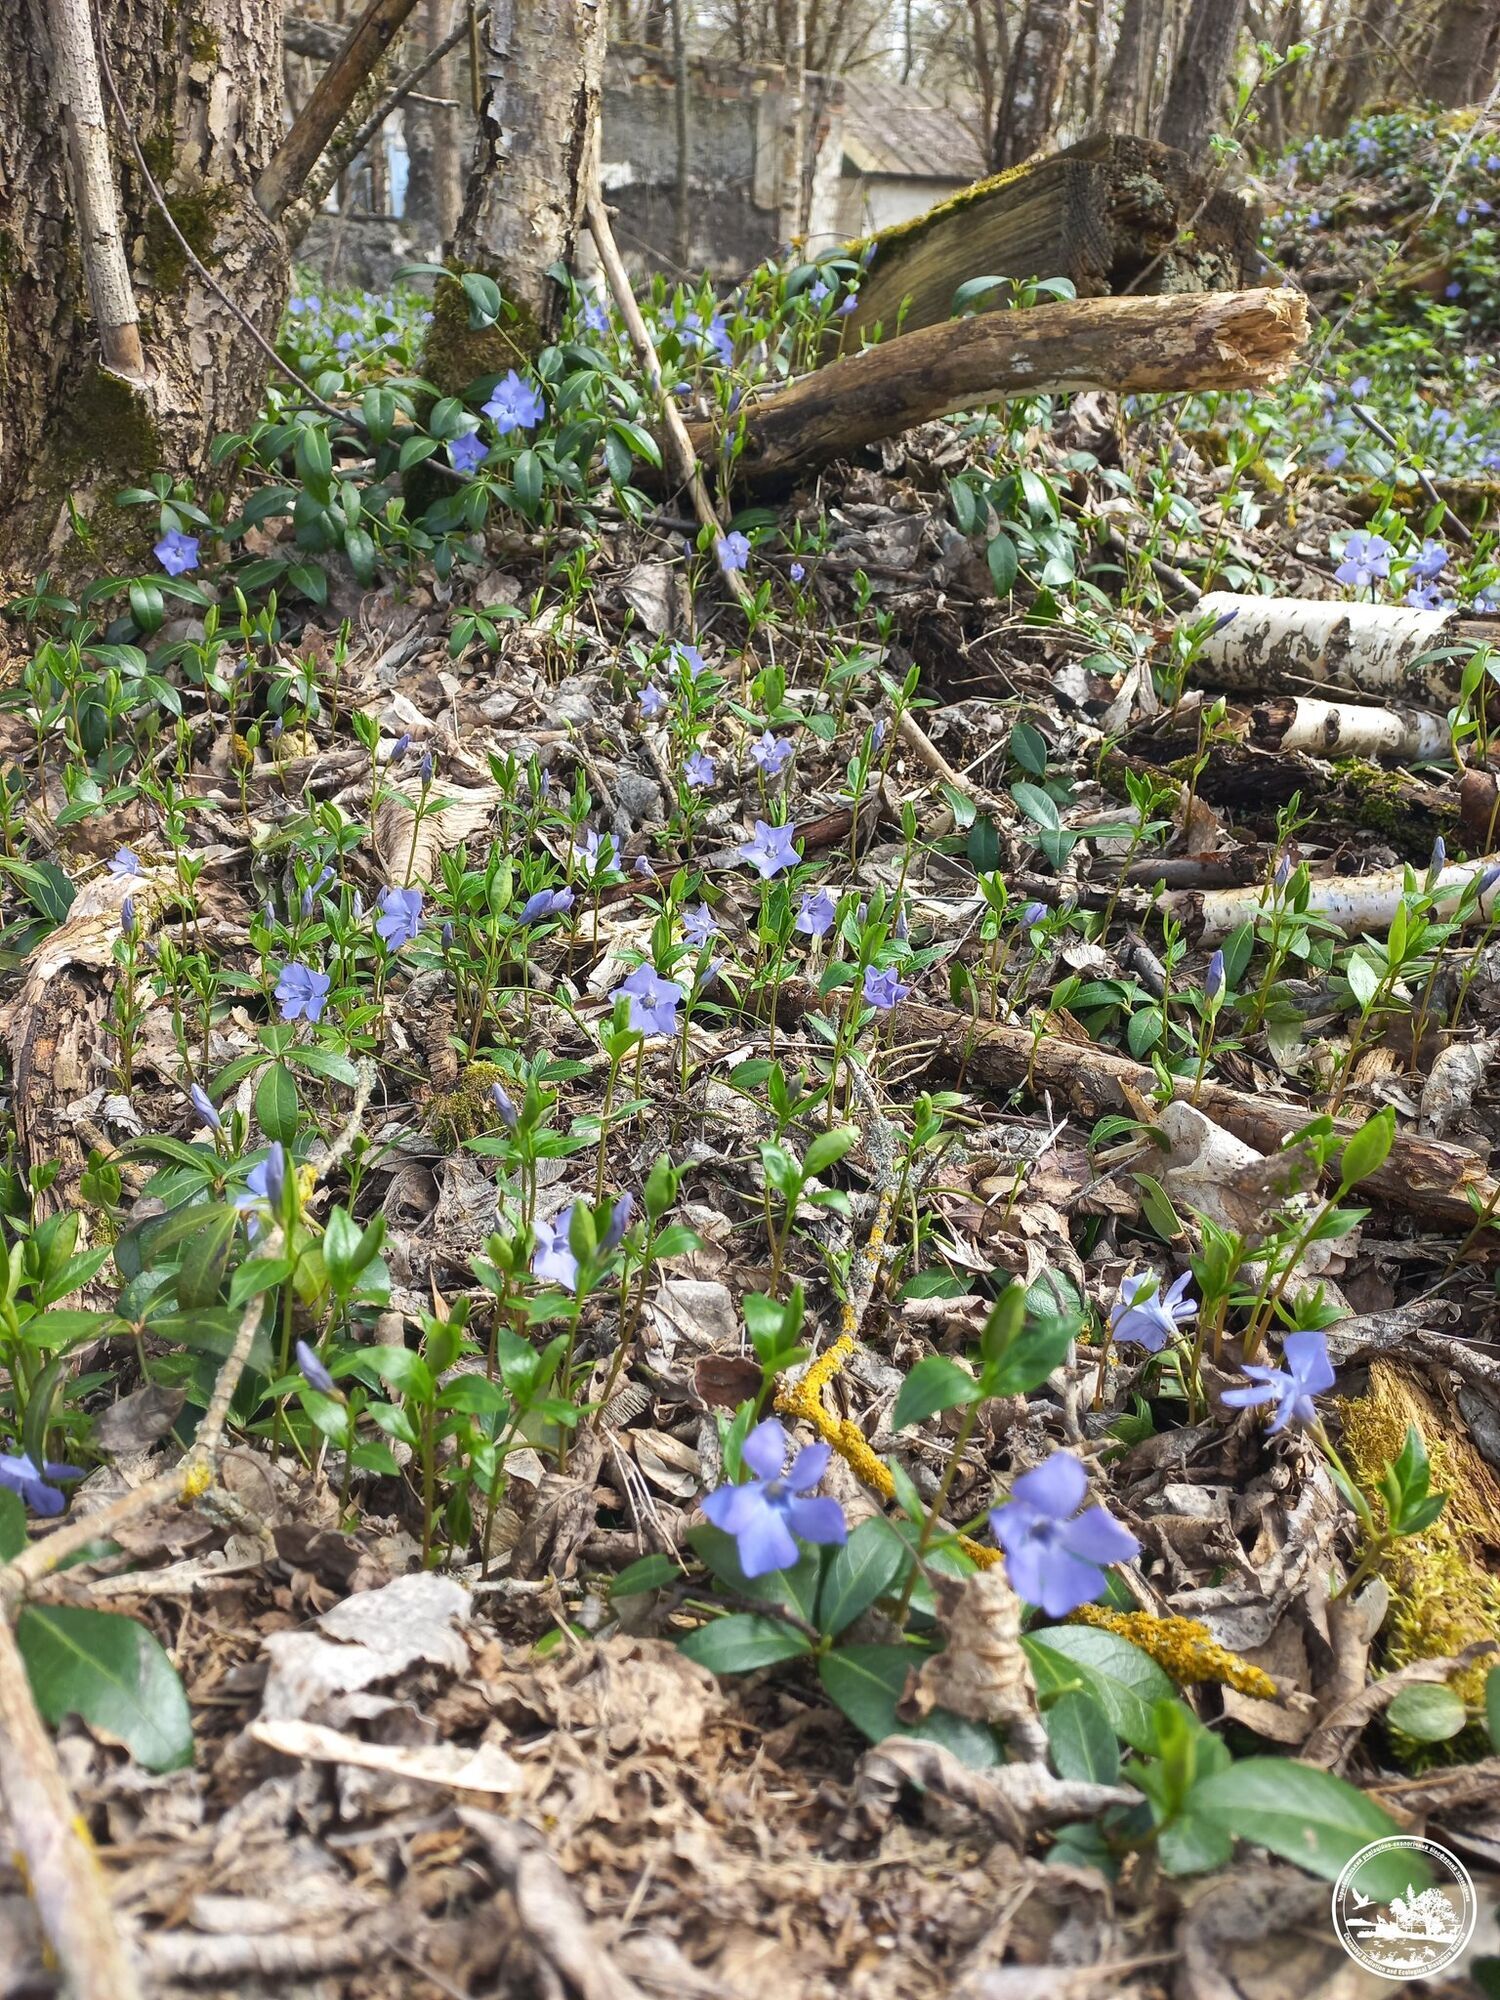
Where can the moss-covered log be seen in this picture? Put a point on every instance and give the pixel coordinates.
(1224, 341)
(1110, 214)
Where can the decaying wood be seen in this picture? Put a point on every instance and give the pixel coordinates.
(1428, 1178)
(1220, 341)
(1105, 214)
(1405, 812)
(1344, 729)
(1386, 651)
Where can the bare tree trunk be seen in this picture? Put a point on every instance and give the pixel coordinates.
(434, 195)
(542, 62)
(1203, 65)
(794, 129)
(202, 89)
(1127, 87)
(1033, 82)
(1462, 54)
(682, 215)
(984, 65)
(1361, 61)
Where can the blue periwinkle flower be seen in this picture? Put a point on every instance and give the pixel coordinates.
(553, 1260)
(1308, 1372)
(653, 1001)
(400, 916)
(767, 1513)
(176, 552)
(733, 551)
(1056, 1557)
(514, 405)
(37, 1485)
(315, 1374)
(302, 992)
(770, 850)
(1147, 1316)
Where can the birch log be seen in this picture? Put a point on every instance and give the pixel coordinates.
(1385, 651)
(1355, 903)
(1344, 729)
(1215, 340)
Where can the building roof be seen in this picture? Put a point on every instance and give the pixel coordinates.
(897, 129)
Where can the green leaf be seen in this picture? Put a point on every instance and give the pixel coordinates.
(743, 1641)
(1309, 1817)
(13, 1525)
(205, 1260)
(933, 1385)
(866, 1682)
(1083, 1744)
(863, 1569)
(650, 1573)
(112, 1672)
(1004, 564)
(1428, 1712)
(1367, 1150)
(827, 1149)
(1492, 1705)
(276, 1104)
(1039, 806)
(1124, 1681)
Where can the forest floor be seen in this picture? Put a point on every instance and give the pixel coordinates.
(945, 976)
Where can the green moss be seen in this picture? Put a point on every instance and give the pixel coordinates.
(103, 426)
(1378, 799)
(455, 353)
(204, 44)
(466, 1111)
(197, 214)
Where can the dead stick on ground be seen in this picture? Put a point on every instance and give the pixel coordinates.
(1427, 1177)
(684, 460)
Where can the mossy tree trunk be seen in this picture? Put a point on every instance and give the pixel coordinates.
(201, 88)
(541, 61)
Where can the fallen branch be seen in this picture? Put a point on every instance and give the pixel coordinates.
(1340, 729)
(1426, 1177)
(1221, 340)
(680, 454)
(1385, 651)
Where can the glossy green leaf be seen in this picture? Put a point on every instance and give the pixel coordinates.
(743, 1641)
(1428, 1712)
(1081, 1740)
(1123, 1680)
(112, 1672)
(1307, 1816)
(866, 1567)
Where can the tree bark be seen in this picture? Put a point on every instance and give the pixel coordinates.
(1127, 87)
(1202, 68)
(1218, 340)
(202, 92)
(1463, 51)
(1033, 82)
(542, 63)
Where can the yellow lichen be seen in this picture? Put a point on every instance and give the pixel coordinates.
(1182, 1648)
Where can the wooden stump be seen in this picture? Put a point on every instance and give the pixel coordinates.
(1107, 214)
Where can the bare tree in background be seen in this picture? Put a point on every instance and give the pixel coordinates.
(1204, 61)
(1126, 102)
(435, 190)
(1463, 52)
(1027, 117)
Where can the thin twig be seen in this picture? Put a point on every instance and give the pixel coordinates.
(679, 444)
(1377, 429)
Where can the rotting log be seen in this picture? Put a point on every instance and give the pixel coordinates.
(1407, 813)
(1221, 340)
(1427, 1178)
(1386, 652)
(1110, 214)
(1353, 904)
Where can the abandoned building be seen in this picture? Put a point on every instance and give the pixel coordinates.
(768, 165)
